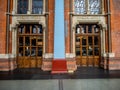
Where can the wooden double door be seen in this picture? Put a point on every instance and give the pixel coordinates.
(87, 45)
(29, 46)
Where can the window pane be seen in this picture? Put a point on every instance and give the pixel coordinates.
(84, 51)
(27, 51)
(33, 41)
(21, 51)
(84, 41)
(22, 6)
(21, 29)
(37, 6)
(90, 50)
(96, 51)
(96, 40)
(27, 41)
(77, 51)
(40, 30)
(33, 52)
(95, 6)
(20, 41)
(79, 6)
(90, 41)
(40, 51)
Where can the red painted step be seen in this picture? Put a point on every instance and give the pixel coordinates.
(59, 66)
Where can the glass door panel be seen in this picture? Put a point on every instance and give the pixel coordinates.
(30, 45)
(87, 44)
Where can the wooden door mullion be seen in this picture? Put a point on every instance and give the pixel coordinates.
(87, 46)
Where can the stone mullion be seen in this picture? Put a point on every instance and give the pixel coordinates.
(102, 7)
(14, 7)
(29, 7)
(87, 6)
(44, 6)
(74, 41)
(44, 42)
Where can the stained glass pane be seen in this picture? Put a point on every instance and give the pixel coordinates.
(37, 6)
(22, 6)
(79, 6)
(95, 6)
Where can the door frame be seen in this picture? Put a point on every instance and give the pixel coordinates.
(14, 29)
(32, 59)
(90, 60)
(102, 36)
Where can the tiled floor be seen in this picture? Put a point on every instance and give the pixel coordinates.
(82, 79)
(76, 84)
(37, 74)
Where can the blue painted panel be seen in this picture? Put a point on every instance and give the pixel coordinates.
(59, 42)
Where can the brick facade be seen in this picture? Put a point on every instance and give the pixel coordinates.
(7, 59)
(110, 59)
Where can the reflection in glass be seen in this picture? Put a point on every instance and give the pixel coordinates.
(37, 6)
(34, 30)
(79, 6)
(77, 51)
(27, 51)
(34, 42)
(96, 51)
(89, 28)
(33, 52)
(27, 31)
(90, 50)
(94, 6)
(83, 41)
(77, 39)
(78, 30)
(90, 42)
(40, 30)
(96, 40)
(27, 41)
(21, 51)
(83, 29)
(84, 51)
(40, 51)
(22, 6)
(20, 41)
(21, 29)
(96, 28)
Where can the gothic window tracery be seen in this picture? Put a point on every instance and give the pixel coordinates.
(87, 6)
(31, 6)
(80, 6)
(94, 6)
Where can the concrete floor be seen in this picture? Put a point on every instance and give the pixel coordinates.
(61, 84)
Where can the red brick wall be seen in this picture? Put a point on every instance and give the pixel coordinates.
(115, 26)
(3, 6)
(67, 20)
(51, 7)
